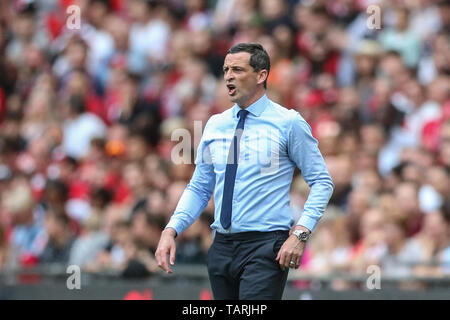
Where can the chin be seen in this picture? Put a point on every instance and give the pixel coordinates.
(233, 99)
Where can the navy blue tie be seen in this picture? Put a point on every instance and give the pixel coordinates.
(230, 172)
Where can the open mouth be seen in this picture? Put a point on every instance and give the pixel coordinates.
(231, 89)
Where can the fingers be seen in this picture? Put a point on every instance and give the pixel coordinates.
(161, 258)
(284, 255)
(278, 258)
(290, 251)
(172, 255)
(298, 260)
(281, 262)
(285, 259)
(293, 261)
(166, 250)
(163, 254)
(165, 265)
(288, 260)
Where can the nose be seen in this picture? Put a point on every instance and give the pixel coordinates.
(228, 75)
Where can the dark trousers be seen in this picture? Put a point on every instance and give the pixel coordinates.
(243, 266)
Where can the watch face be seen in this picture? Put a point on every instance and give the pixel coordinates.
(302, 235)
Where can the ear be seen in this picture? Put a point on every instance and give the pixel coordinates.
(262, 76)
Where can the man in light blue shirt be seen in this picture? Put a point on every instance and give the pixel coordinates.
(246, 158)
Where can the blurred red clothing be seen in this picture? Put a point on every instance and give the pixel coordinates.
(431, 131)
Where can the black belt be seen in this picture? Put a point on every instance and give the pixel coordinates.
(250, 235)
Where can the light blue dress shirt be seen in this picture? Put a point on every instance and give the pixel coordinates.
(275, 140)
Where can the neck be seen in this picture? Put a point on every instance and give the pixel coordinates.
(397, 246)
(256, 96)
(442, 241)
(61, 239)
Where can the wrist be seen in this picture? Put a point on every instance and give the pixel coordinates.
(170, 232)
(302, 228)
(301, 234)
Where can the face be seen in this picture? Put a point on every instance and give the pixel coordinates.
(372, 221)
(242, 81)
(393, 233)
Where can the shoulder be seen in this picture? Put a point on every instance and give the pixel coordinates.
(413, 245)
(219, 118)
(285, 114)
(289, 121)
(89, 118)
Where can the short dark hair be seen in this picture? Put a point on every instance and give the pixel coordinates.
(259, 58)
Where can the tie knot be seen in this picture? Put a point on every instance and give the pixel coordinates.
(242, 114)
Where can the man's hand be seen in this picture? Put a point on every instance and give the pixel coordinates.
(166, 246)
(291, 250)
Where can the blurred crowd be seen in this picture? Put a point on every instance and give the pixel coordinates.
(87, 116)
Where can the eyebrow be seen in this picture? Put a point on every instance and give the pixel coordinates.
(233, 67)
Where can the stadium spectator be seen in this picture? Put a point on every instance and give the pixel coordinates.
(401, 255)
(26, 234)
(80, 128)
(60, 238)
(368, 248)
(434, 242)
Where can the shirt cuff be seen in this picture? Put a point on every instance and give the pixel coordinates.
(173, 223)
(307, 222)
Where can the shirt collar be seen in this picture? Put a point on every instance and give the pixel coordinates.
(256, 108)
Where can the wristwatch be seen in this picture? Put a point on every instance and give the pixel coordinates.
(301, 235)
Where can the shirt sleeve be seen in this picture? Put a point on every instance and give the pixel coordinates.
(196, 196)
(304, 151)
